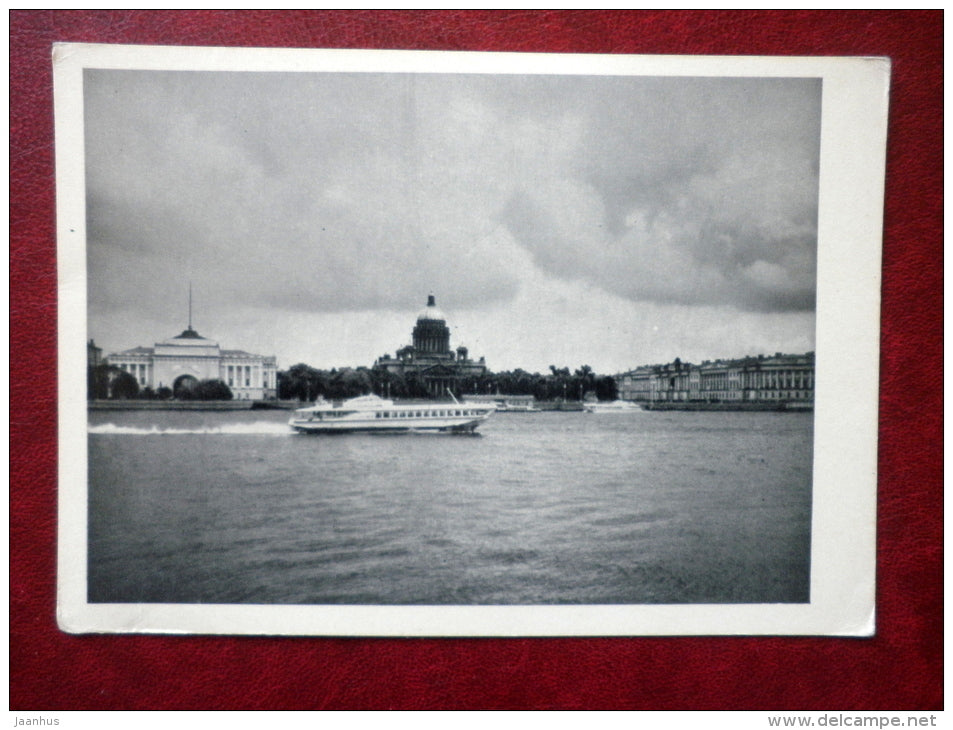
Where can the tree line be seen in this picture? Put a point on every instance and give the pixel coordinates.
(305, 383)
(113, 383)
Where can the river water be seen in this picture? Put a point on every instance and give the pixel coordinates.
(537, 508)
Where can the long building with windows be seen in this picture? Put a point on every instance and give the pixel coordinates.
(181, 362)
(430, 357)
(764, 379)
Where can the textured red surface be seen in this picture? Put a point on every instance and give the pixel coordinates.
(901, 668)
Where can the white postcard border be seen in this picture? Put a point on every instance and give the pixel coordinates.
(854, 122)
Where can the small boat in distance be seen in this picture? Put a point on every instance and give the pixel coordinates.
(507, 403)
(615, 406)
(372, 413)
(517, 408)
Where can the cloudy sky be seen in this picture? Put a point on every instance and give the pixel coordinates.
(611, 221)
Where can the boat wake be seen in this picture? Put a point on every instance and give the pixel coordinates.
(258, 428)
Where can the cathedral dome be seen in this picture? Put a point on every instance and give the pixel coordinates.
(431, 312)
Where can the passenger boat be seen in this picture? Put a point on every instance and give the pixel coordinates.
(507, 403)
(372, 413)
(615, 406)
(517, 408)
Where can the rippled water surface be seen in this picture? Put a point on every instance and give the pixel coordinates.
(544, 508)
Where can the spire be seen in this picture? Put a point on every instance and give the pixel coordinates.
(431, 302)
(190, 333)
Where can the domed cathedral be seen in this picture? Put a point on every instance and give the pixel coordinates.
(431, 334)
(430, 356)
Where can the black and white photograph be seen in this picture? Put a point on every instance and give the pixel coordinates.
(396, 343)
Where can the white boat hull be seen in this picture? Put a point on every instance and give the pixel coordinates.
(370, 414)
(611, 407)
(372, 425)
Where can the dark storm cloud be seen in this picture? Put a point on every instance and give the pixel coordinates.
(348, 192)
(692, 191)
(288, 191)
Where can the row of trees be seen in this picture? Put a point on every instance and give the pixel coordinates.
(303, 382)
(557, 384)
(111, 382)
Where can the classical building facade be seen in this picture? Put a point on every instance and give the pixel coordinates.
(773, 379)
(183, 361)
(430, 357)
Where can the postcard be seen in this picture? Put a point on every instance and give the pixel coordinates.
(399, 343)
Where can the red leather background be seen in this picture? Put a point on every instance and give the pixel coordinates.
(899, 669)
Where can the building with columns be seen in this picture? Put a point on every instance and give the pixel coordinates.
(764, 379)
(430, 357)
(181, 362)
